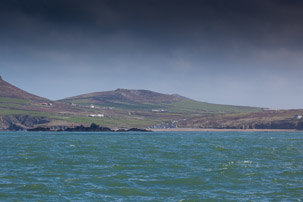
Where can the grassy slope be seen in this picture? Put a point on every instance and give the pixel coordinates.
(241, 120)
(184, 107)
(196, 114)
(14, 106)
(118, 117)
(142, 115)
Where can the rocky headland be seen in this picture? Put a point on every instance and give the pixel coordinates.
(92, 128)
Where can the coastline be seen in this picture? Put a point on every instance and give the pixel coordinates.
(221, 130)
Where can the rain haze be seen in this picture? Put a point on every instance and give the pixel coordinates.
(229, 52)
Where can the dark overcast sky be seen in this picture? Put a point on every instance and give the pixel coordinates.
(222, 51)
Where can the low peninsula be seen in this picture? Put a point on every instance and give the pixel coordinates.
(92, 128)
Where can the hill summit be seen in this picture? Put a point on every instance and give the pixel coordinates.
(149, 101)
(130, 96)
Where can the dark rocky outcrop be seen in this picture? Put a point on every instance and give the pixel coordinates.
(20, 122)
(39, 129)
(15, 127)
(275, 119)
(93, 127)
(121, 130)
(280, 125)
(137, 130)
(300, 126)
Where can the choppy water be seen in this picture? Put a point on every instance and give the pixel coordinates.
(178, 166)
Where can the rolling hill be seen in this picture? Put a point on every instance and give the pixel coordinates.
(125, 108)
(149, 101)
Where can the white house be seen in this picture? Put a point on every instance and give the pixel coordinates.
(96, 115)
(159, 110)
(100, 115)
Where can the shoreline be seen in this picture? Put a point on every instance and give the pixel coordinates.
(221, 130)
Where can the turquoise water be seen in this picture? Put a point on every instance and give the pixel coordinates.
(176, 166)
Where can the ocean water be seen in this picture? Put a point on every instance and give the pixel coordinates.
(158, 166)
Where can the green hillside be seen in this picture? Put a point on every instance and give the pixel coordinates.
(142, 100)
(123, 108)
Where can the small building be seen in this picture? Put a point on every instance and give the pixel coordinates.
(96, 115)
(92, 106)
(159, 110)
(298, 116)
(46, 104)
(100, 115)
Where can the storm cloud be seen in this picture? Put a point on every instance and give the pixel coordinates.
(231, 52)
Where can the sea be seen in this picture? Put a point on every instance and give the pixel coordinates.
(155, 166)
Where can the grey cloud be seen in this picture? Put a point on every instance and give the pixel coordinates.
(181, 44)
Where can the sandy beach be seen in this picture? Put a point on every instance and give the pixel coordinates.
(221, 130)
